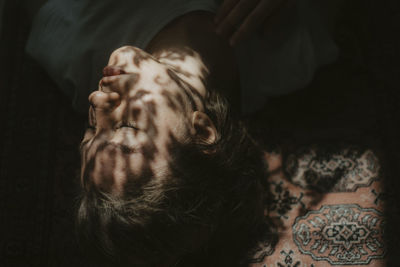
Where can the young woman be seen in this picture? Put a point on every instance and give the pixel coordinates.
(170, 177)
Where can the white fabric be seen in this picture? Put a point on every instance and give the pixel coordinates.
(72, 40)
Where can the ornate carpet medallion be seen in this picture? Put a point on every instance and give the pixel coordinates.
(332, 171)
(341, 234)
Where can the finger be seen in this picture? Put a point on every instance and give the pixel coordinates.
(224, 9)
(252, 21)
(112, 71)
(104, 102)
(120, 84)
(233, 20)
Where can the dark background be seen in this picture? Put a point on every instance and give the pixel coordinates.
(352, 102)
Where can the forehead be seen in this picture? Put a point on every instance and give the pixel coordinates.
(111, 167)
(157, 95)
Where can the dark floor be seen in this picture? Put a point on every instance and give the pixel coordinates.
(354, 101)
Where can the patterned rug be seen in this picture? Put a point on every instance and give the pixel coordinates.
(327, 207)
(336, 137)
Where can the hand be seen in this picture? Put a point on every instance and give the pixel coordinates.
(237, 19)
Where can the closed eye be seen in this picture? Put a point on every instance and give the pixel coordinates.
(119, 126)
(126, 125)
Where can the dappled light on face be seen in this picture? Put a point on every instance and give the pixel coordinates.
(129, 58)
(187, 65)
(120, 84)
(174, 100)
(155, 176)
(134, 137)
(185, 61)
(107, 174)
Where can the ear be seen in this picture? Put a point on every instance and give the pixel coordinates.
(204, 128)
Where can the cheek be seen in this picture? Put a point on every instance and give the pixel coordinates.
(174, 117)
(175, 131)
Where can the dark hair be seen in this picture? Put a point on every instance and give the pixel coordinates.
(206, 213)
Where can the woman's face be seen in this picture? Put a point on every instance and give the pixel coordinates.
(142, 106)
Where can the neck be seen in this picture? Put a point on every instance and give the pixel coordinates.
(208, 58)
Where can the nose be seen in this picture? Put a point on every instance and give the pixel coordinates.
(104, 104)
